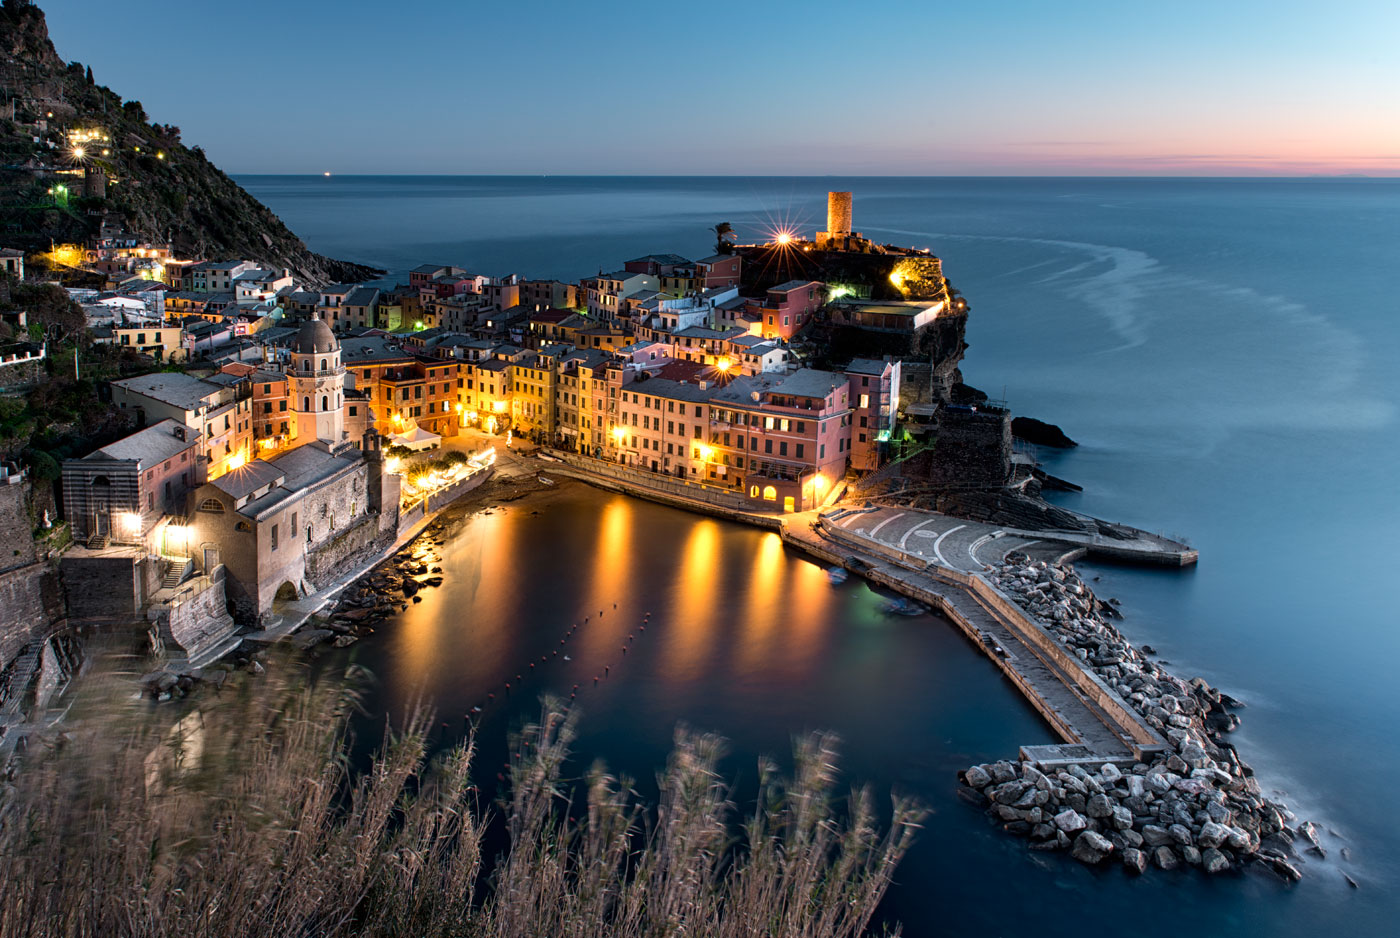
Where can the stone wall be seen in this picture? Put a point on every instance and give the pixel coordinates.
(103, 587)
(197, 621)
(973, 448)
(19, 375)
(22, 608)
(16, 525)
(347, 549)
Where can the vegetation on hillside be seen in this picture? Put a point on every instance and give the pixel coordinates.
(245, 819)
(160, 187)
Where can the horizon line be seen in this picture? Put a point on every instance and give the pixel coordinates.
(1256, 176)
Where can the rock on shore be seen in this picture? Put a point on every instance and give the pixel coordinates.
(1040, 433)
(1197, 803)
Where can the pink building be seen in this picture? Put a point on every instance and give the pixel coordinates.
(780, 441)
(719, 270)
(788, 306)
(874, 395)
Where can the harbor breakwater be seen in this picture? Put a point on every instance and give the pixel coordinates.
(1196, 803)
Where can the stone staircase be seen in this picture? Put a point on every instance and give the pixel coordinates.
(97, 542)
(179, 569)
(21, 676)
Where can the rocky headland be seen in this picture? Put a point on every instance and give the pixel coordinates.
(153, 183)
(1196, 804)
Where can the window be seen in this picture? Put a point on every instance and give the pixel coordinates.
(274, 537)
(864, 401)
(213, 505)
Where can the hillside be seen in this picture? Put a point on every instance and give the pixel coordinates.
(155, 185)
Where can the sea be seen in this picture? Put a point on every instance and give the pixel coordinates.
(1225, 353)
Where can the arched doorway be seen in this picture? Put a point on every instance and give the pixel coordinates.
(287, 593)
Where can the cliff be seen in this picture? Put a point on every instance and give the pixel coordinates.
(143, 177)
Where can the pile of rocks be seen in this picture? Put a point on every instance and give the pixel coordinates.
(1197, 803)
(390, 587)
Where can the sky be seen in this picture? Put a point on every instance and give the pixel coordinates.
(880, 87)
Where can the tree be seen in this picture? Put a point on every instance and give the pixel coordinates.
(723, 238)
(51, 309)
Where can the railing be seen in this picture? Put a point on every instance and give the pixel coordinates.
(658, 481)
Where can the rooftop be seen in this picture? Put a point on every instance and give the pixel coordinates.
(152, 445)
(247, 479)
(808, 382)
(173, 388)
(867, 366)
(793, 285)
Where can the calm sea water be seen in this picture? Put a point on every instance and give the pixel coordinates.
(1224, 351)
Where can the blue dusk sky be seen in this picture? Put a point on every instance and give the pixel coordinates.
(982, 87)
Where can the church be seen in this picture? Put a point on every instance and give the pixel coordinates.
(282, 526)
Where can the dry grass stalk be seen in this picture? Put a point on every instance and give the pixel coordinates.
(245, 820)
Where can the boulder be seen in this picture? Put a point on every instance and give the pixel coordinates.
(311, 637)
(1213, 861)
(1099, 806)
(1155, 836)
(1070, 821)
(1212, 835)
(1181, 834)
(1134, 860)
(977, 777)
(1191, 855)
(1090, 847)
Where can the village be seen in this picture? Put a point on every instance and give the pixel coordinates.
(282, 428)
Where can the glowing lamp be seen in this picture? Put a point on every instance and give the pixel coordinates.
(705, 452)
(131, 520)
(238, 460)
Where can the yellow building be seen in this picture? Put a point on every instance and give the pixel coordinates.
(163, 343)
(532, 405)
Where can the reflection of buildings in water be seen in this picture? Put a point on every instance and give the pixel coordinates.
(759, 615)
(466, 630)
(809, 596)
(694, 591)
(612, 582)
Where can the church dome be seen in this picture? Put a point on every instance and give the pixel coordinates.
(314, 338)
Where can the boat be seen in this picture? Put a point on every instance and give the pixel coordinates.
(837, 575)
(904, 607)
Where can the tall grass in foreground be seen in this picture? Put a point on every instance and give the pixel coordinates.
(246, 820)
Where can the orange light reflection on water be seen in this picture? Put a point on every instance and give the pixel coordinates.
(612, 573)
(810, 592)
(763, 606)
(690, 620)
(463, 630)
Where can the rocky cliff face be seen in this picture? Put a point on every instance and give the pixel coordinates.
(155, 185)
